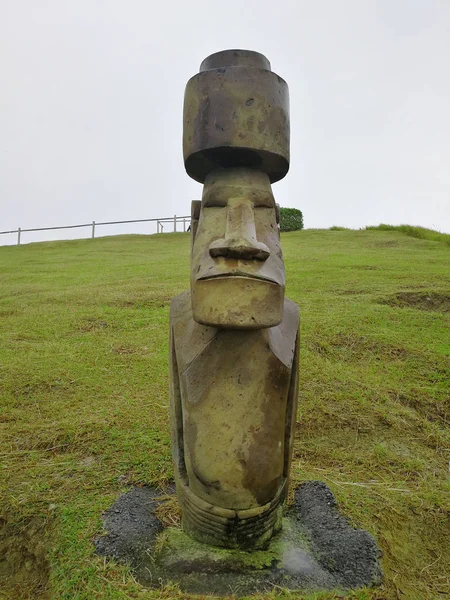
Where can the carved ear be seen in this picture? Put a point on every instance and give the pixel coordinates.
(196, 206)
(277, 213)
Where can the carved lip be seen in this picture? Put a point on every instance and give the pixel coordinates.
(238, 275)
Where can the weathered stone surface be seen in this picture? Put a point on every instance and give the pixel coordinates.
(234, 337)
(236, 113)
(232, 411)
(237, 268)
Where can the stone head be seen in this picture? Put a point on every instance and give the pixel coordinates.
(236, 142)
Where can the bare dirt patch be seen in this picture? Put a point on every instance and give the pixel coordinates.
(357, 345)
(54, 439)
(420, 300)
(429, 408)
(362, 267)
(92, 324)
(350, 346)
(41, 389)
(130, 349)
(8, 312)
(385, 244)
(24, 568)
(350, 292)
(143, 301)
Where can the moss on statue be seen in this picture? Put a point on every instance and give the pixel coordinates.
(173, 547)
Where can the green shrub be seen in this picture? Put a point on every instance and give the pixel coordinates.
(291, 219)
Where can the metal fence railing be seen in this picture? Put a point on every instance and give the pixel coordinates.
(183, 222)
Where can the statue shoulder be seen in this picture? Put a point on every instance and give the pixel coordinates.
(189, 338)
(291, 313)
(180, 306)
(283, 338)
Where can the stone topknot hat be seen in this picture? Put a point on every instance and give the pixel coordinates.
(236, 114)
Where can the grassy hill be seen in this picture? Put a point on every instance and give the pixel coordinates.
(84, 405)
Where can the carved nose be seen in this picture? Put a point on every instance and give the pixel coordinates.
(240, 234)
(240, 248)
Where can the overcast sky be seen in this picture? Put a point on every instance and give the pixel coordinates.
(92, 92)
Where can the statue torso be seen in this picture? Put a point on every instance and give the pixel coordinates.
(236, 390)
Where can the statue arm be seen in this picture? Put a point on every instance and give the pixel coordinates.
(291, 412)
(176, 413)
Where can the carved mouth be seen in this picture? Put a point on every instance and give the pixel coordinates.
(238, 275)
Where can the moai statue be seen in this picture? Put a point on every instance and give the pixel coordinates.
(234, 336)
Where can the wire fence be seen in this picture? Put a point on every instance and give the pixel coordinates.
(174, 223)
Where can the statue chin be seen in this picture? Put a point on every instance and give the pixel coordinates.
(237, 302)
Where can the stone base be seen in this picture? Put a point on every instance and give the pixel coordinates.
(316, 550)
(248, 530)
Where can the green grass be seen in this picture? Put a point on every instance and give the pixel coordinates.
(418, 232)
(84, 406)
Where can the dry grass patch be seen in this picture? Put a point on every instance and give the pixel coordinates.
(439, 302)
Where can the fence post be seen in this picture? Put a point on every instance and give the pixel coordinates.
(159, 226)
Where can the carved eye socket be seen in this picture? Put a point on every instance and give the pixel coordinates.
(277, 213)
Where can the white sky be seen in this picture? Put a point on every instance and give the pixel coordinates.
(92, 91)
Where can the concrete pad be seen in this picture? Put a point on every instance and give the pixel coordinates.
(317, 549)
